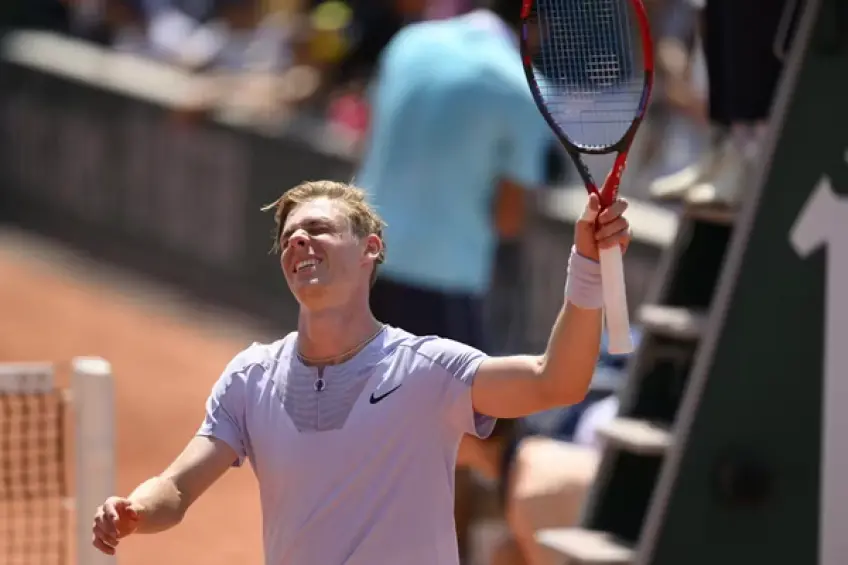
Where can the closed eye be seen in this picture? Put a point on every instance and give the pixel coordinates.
(312, 228)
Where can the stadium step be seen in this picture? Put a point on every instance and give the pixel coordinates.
(585, 547)
(716, 215)
(673, 320)
(636, 436)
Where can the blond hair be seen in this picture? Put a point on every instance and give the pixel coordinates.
(363, 219)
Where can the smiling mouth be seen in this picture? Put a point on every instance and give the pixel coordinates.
(306, 264)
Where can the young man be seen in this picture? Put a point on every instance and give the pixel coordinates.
(352, 426)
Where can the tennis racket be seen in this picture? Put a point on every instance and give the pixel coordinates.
(589, 64)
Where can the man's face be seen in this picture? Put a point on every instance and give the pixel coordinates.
(325, 264)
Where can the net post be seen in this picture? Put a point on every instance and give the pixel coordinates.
(94, 418)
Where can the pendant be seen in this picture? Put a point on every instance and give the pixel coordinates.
(319, 385)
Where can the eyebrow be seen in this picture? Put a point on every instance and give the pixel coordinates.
(306, 224)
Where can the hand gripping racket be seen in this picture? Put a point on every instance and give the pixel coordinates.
(591, 78)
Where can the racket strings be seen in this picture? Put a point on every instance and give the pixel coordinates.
(588, 68)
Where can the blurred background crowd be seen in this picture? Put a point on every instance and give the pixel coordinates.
(718, 64)
(272, 62)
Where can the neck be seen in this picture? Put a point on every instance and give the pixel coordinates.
(333, 332)
(496, 23)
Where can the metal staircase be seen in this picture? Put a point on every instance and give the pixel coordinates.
(697, 466)
(638, 439)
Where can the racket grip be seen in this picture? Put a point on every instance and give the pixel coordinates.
(615, 301)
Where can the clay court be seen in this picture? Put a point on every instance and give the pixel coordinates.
(165, 352)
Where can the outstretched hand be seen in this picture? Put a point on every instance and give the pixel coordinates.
(598, 229)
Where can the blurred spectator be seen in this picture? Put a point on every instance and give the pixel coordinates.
(191, 33)
(742, 45)
(348, 115)
(330, 23)
(547, 467)
(375, 23)
(454, 143)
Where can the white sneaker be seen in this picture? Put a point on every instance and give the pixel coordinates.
(723, 189)
(676, 185)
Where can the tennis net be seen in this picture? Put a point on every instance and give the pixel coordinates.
(56, 453)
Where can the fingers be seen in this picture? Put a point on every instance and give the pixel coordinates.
(612, 228)
(101, 546)
(590, 212)
(598, 229)
(125, 507)
(105, 533)
(621, 238)
(105, 525)
(605, 231)
(613, 212)
(108, 522)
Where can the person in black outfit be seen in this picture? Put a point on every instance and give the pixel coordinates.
(739, 39)
(742, 42)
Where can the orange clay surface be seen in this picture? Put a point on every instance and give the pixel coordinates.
(165, 352)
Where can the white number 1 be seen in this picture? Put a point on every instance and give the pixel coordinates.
(823, 221)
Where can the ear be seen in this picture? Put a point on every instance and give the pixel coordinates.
(373, 246)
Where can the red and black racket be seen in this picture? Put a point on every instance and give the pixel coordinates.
(590, 66)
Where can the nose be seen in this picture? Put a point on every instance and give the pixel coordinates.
(298, 239)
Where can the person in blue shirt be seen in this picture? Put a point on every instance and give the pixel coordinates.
(455, 144)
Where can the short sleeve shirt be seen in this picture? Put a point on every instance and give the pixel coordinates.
(452, 115)
(362, 471)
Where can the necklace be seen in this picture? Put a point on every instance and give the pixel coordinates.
(320, 383)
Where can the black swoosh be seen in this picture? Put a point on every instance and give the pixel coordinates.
(376, 399)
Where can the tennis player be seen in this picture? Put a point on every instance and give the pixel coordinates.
(352, 426)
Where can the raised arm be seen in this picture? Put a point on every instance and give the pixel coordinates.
(515, 386)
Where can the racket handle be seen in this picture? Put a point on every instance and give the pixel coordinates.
(615, 301)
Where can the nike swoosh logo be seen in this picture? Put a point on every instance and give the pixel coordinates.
(376, 399)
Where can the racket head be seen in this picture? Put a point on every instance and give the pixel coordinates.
(593, 74)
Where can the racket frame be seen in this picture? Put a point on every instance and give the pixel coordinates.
(609, 190)
(612, 266)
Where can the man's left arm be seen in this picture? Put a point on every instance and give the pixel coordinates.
(515, 386)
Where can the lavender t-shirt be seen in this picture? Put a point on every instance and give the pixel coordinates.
(362, 472)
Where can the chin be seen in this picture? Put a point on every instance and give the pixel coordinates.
(310, 294)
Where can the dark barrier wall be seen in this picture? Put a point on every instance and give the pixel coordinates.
(128, 180)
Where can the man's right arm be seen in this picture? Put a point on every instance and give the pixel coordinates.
(162, 501)
(221, 442)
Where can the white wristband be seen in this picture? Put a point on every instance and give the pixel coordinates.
(583, 283)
